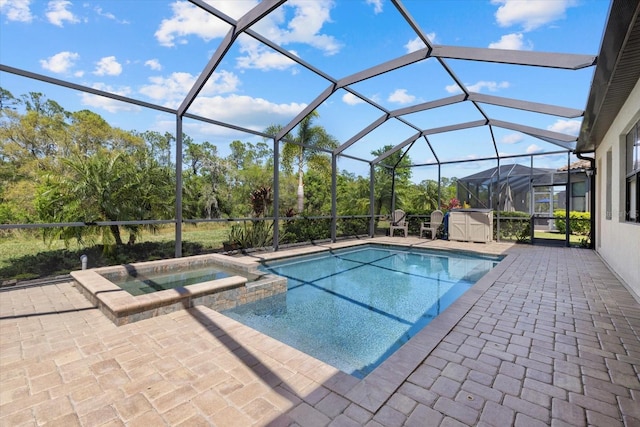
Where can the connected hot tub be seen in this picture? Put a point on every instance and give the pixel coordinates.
(133, 292)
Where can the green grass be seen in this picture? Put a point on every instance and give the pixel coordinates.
(554, 235)
(26, 256)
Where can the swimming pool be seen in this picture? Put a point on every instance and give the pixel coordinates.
(353, 308)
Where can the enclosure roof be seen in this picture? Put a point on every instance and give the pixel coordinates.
(428, 124)
(505, 171)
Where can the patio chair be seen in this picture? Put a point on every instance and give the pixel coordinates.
(398, 222)
(434, 223)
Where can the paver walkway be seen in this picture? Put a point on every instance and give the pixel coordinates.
(553, 340)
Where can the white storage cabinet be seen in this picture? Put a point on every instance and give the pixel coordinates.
(471, 225)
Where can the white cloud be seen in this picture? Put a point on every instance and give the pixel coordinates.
(218, 100)
(417, 43)
(351, 99)
(414, 45)
(108, 15)
(309, 18)
(400, 96)
(304, 27)
(453, 88)
(376, 98)
(531, 14)
(511, 41)
(104, 14)
(377, 5)
(108, 104)
(491, 86)
(60, 62)
(260, 57)
(570, 127)
(172, 90)
(512, 138)
(533, 148)
(478, 86)
(108, 66)
(464, 165)
(154, 64)
(253, 113)
(57, 13)
(16, 10)
(189, 20)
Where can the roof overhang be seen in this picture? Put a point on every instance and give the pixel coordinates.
(616, 74)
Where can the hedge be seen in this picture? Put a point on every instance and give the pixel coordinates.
(579, 222)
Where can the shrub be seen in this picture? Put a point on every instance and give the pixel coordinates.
(513, 226)
(579, 222)
(353, 226)
(257, 234)
(306, 229)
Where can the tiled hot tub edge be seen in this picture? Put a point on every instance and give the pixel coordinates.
(123, 308)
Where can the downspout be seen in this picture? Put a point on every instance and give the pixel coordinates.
(592, 198)
(567, 198)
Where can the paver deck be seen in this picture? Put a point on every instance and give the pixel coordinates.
(550, 337)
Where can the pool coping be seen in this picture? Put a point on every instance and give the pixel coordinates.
(372, 391)
(391, 373)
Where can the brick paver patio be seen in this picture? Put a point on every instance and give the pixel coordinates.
(550, 337)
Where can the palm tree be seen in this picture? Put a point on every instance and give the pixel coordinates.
(107, 186)
(425, 196)
(302, 152)
(384, 173)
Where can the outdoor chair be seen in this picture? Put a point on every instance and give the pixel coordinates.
(398, 222)
(434, 223)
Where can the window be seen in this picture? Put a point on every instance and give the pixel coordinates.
(632, 196)
(578, 192)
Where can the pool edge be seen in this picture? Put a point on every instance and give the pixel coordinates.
(393, 372)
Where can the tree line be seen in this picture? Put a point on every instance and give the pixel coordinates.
(58, 166)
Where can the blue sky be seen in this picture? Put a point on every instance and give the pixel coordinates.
(153, 50)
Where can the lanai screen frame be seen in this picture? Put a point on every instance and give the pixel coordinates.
(441, 53)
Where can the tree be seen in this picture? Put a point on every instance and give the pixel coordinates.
(424, 196)
(31, 140)
(160, 145)
(31, 129)
(352, 194)
(305, 150)
(448, 189)
(204, 178)
(250, 168)
(7, 101)
(384, 173)
(106, 186)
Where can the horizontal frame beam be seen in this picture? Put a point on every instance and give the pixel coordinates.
(566, 61)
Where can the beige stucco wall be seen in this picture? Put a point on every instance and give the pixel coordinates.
(618, 242)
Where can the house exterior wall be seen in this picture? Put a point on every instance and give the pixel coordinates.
(617, 241)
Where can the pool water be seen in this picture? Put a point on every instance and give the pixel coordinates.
(353, 308)
(139, 283)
